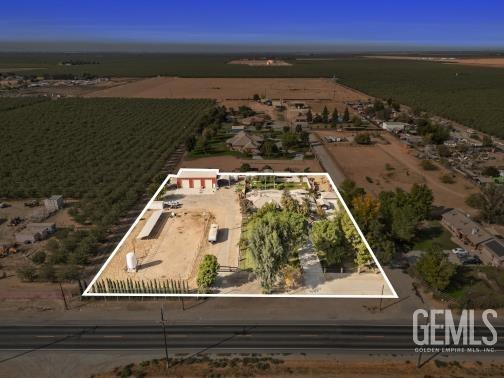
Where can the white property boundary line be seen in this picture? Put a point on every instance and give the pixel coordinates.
(394, 295)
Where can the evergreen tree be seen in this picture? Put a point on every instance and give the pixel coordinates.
(325, 115)
(346, 115)
(334, 118)
(309, 116)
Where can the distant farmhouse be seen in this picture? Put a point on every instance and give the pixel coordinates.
(245, 142)
(394, 127)
(297, 114)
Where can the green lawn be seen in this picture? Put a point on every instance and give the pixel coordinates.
(246, 261)
(433, 234)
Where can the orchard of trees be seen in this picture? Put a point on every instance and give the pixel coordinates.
(105, 152)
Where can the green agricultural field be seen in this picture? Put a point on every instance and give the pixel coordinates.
(10, 103)
(470, 95)
(105, 152)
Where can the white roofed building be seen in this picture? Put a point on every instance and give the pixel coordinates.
(200, 179)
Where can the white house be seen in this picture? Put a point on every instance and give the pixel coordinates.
(394, 127)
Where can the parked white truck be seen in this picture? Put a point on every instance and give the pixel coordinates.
(212, 233)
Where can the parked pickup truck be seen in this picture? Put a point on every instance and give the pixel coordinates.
(212, 233)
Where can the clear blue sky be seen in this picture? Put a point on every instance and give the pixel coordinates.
(257, 22)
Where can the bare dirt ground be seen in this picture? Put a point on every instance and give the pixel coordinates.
(389, 166)
(484, 62)
(177, 244)
(229, 89)
(232, 163)
(319, 366)
(168, 254)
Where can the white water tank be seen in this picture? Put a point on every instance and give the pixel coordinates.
(131, 262)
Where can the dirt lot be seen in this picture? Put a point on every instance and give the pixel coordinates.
(232, 163)
(229, 89)
(387, 166)
(485, 62)
(17, 209)
(170, 251)
(177, 244)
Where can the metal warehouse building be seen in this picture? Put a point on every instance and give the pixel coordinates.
(197, 179)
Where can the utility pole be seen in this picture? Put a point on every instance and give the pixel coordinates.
(164, 337)
(182, 301)
(381, 298)
(63, 296)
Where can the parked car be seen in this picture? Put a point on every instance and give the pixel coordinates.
(171, 204)
(472, 260)
(460, 252)
(3, 205)
(32, 203)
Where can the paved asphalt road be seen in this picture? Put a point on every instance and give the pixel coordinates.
(325, 160)
(216, 338)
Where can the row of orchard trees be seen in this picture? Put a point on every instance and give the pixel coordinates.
(130, 286)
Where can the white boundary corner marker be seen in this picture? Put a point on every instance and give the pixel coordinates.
(88, 293)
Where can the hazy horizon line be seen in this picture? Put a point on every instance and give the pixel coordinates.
(223, 48)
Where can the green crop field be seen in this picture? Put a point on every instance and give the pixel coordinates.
(104, 152)
(470, 95)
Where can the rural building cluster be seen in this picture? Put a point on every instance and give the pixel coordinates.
(27, 223)
(205, 214)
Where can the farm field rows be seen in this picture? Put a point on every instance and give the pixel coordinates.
(469, 94)
(105, 152)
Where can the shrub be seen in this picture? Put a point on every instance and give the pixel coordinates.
(39, 257)
(47, 273)
(362, 139)
(68, 273)
(27, 273)
(490, 171)
(245, 167)
(428, 165)
(447, 179)
(207, 272)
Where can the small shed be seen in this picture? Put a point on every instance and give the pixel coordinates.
(54, 203)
